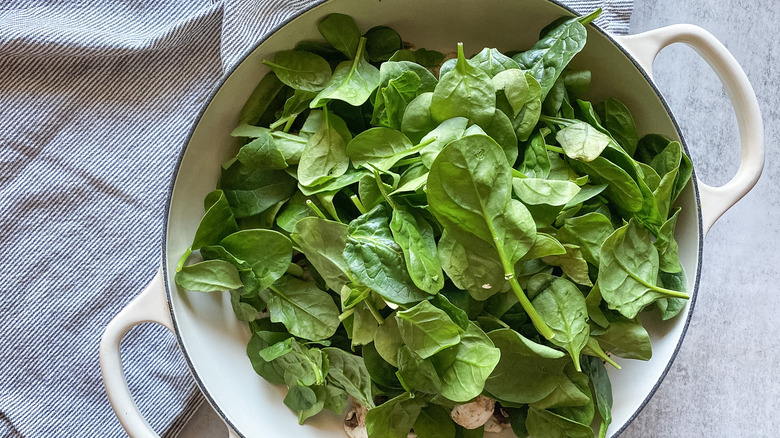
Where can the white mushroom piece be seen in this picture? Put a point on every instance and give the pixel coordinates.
(475, 414)
(355, 421)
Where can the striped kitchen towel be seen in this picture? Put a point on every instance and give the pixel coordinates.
(96, 99)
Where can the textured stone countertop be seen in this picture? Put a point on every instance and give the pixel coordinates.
(723, 382)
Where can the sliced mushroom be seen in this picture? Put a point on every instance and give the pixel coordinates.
(355, 421)
(475, 414)
(493, 425)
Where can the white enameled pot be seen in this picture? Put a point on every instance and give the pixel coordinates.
(214, 342)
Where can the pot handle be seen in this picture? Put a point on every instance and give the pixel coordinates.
(150, 306)
(644, 47)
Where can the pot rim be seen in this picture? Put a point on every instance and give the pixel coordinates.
(172, 182)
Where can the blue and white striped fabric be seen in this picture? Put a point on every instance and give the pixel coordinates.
(96, 99)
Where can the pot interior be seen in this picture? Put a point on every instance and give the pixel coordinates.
(214, 342)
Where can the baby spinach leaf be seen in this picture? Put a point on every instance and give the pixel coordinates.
(268, 88)
(538, 191)
(474, 267)
(527, 371)
(208, 276)
(388, 340)
(323, 242)
(325, 154)
(535, 162)
(466, 91)
(668, 261)
(413, 179)
(589, 232)
(621, 188)
(303, 366)
(430, 59)
(493, 62)
(415, 237)
(426, 329)
(379, 147)
(348, 372)
(544, 246)
(547, 59)
(395, 417)
(501, 130)
(671, 307)
(566, 394)
(262, 153)
(581, 141)
(602, 389)
(549, 424)
(469, 185)
(416, 373)
(307, 311)
(217, 223)
(392, 99)
(627, 339)
(247, 309)
(269, 370)
(300, 398)
(456, 314)
(514, 84)
(352, 81)
(341, 32)
(577, 82)
(563, 308)
(301, 70)
(394, 70)
(469, 193)
(629, 269)
(276, 350)
(617, 119)
(381, 43)
(267, 252)
(444, 134)
(464, 368)
(364, 324)
(417, 120)
(572, 264)
(434, 422)
(250, 191)
(381, 371)
(377, 260)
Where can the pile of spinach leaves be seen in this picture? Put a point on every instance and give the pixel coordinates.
(414, 233)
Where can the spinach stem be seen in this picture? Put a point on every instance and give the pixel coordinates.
(374, 312)
(382, 190)
(556, 120)
(288, 125)
(316, 209)
(183, 259)
(498, 321)
(509, 274)
(540, 325)
(359, 205)
(406, 161)
(278, 123)
(347, 313)
(590, 17)
(555, 149)
(595, 348)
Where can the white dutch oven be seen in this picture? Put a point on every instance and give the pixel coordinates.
(214, 342)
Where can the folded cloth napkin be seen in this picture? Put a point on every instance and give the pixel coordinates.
(96, 102)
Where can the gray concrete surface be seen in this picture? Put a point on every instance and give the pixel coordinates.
(723, 383)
